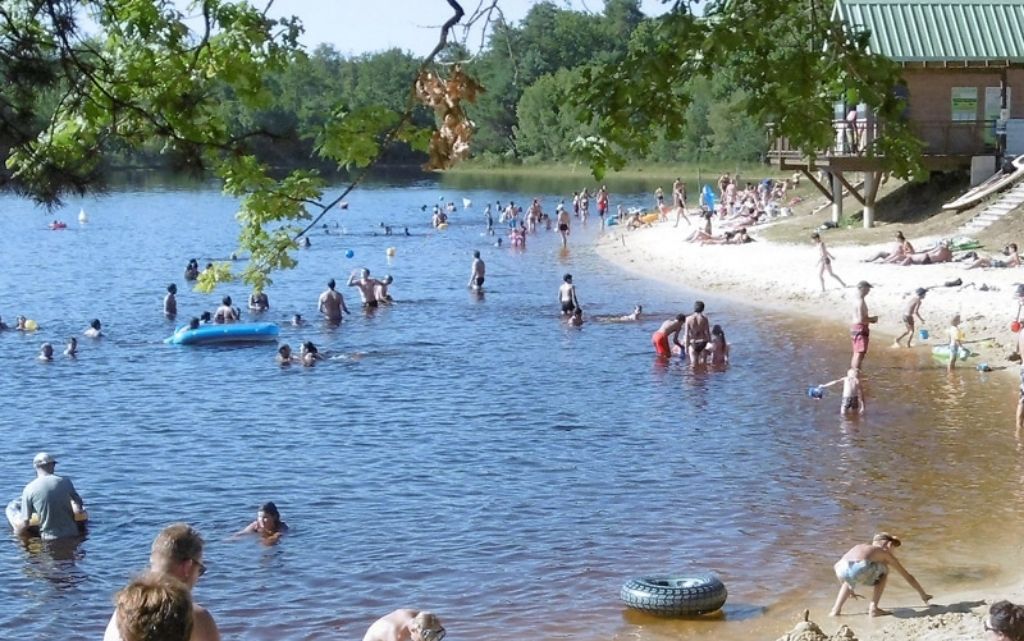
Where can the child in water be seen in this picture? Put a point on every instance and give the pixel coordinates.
(268, 523)
(46, 352)
(853, 392)
(956, 340)
(284, 355)
(576, 320)
(719, 348)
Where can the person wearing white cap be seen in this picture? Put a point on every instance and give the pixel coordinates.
(53, 498)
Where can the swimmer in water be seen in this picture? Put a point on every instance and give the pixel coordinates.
(332, 303)
(71, 351)
(297, 320)
(171, 302)
(853, 393)
(21, 324)
(576, 320)
(381, 291)
(310, 354)
(3, 325)
(268, 523)
(477, 272)
(567, 296)
(258, 302)
(284, 355)
(635, 316)
(94, 330)
(669, 329)
(193, 323)
(367, 287)
(226, 313)
(46, 352)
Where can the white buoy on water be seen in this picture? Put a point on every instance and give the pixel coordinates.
(82, 216)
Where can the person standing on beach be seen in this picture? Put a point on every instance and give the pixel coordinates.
(669, 330)
(912, 309)
(698, 335)
(477, 272)
(177, 553)
(868, 564)
(859, 331)
(332, 304)
(567, 296)
(824, 261)
(563, 224)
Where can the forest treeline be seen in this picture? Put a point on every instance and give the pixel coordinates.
(529, 71)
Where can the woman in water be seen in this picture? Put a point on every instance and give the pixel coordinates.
(719, 348)
(268, 523)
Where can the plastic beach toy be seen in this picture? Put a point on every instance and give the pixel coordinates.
(390, 251)
(1015, 326)
(815, 392)
(923, 334)
(349, 253)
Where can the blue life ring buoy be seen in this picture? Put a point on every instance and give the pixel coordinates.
(675, 596)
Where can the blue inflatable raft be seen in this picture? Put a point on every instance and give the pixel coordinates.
(224, 334)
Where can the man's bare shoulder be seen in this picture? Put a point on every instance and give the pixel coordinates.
(204, 627)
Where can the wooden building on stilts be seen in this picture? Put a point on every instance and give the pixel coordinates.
(963, 64)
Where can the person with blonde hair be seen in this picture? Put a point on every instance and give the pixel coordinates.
(868, 564)
(406, 625)
(154, 608)
(177, 553)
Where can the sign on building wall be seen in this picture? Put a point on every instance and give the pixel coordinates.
(965, 103)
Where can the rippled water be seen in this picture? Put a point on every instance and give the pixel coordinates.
(477, 458)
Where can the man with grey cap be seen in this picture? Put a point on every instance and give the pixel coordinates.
(53, 498)
(859, 322)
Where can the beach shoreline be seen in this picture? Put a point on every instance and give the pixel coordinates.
(783, 278)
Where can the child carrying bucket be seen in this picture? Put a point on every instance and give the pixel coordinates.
(912, 309)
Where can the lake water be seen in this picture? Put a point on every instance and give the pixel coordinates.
(478, 457)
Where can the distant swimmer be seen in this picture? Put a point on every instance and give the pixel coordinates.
(406, 625)
(576, 320)
(171, 301)
(268, 523)
(45, 352)
(366, 287)
(226, 313)
(563, 224)
(306, 242)
(635, 316)
(869, 564)
(854, 401)
(332, 303)
(258, 302)
(206, 317)
(670, 329)
(567, 295)
(284, 355)
(718, 347)
(53, 498)
(698, 335)
(490, 220)
(95, 329)
(380, 292)
(3, 325)
(860, 331)
(193, 323)
(297, 320)
(477, 272)
(71, 351)
(310, 354)
(192, 270)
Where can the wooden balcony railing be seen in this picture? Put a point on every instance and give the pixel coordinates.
(940, 138)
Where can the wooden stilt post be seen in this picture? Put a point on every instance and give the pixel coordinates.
(837, 198)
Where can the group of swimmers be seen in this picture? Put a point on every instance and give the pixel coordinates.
(702, 343)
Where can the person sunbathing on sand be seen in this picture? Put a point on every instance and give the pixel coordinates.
(938, 254)
(868, 564)
(1012, 259)
(901, 250)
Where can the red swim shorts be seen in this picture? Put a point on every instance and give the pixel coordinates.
(859, 336)
(661, 346)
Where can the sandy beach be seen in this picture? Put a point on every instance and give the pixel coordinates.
(783, 277)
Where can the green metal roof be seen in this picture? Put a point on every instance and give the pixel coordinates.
(934, 31)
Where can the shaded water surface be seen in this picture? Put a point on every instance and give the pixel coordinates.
(467, 454)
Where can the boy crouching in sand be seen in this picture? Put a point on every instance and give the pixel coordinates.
(853, 392)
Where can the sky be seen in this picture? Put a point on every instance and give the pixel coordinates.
(361, 26)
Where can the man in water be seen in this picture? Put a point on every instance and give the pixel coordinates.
(563, 224)
(367, 287)
(868, 564)
(859, 331)
(258, 302)
(476, 272)
(332, 304)
(154, 608)
(95, 329)
(53, 498)
(226, 313)
(45, 352)
(698, 334)
(406, 625)
(171, 302)
(567, 296)
(177, 552)
(490, 221)
(380, 292)
(668, 329)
